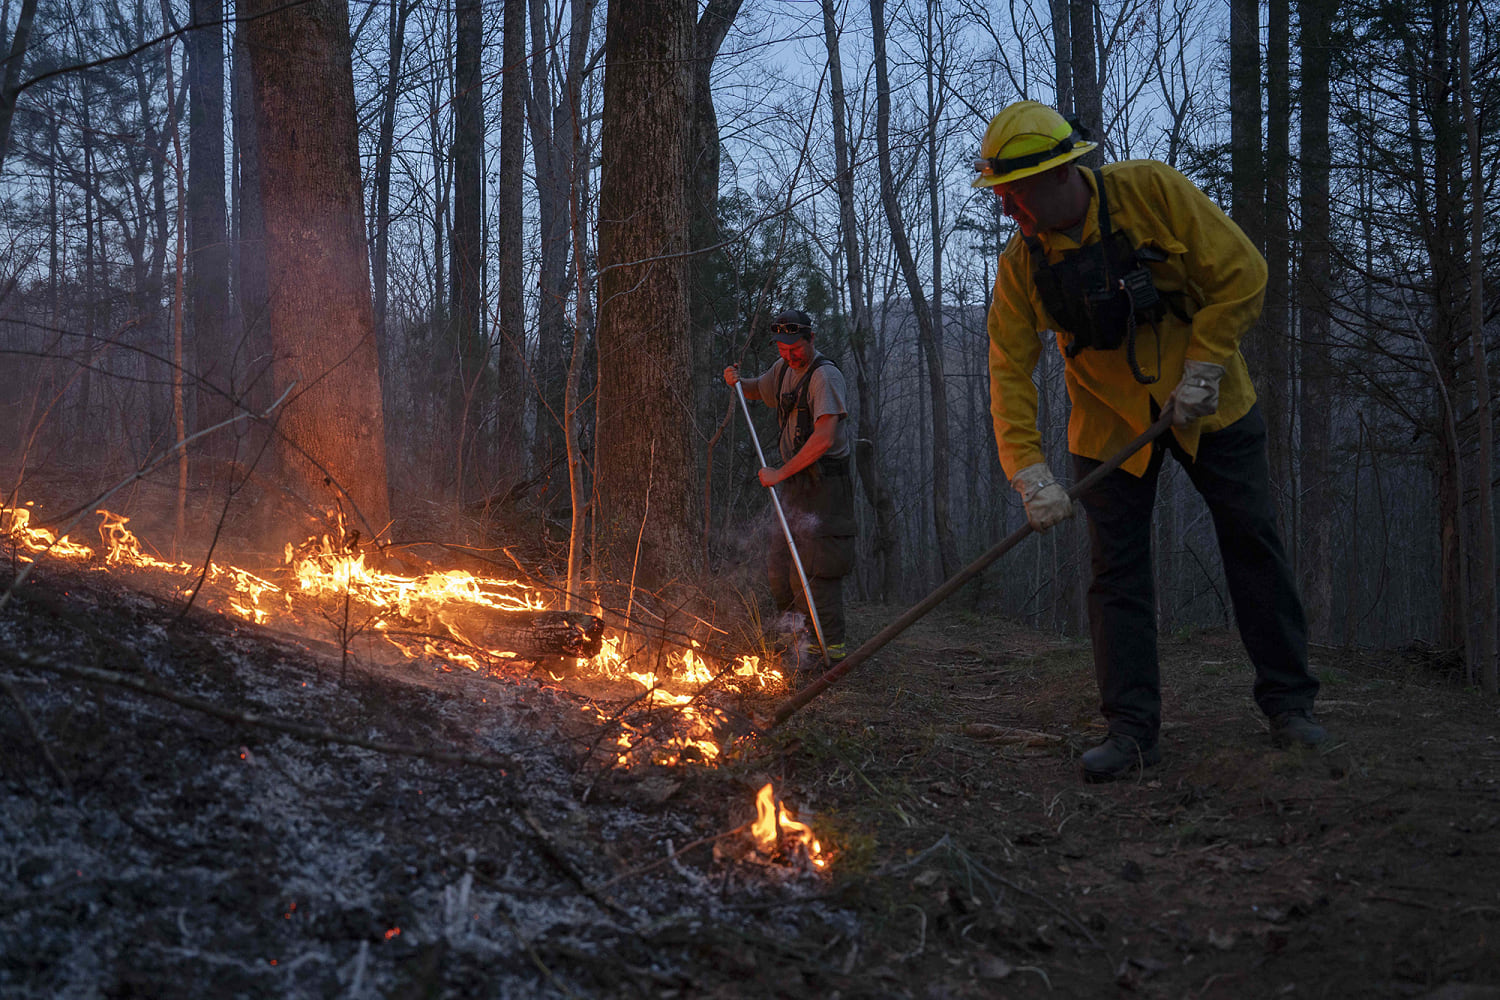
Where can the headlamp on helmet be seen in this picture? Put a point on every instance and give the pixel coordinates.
(1027, 138)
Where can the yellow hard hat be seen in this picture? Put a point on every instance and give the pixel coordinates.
(1024, 139)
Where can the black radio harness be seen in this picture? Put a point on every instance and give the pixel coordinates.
(1098, 293)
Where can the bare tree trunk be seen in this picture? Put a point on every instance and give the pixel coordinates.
(251, 305)
(1062, 55)
(149, 255)
(1246, 162)
(1248, 183)
(332, 433)
(550, 125)
(703, 192)
(1088, 95)
(927, 333)
(573, 415)
(1483, 564)
(472, 392)
(510, 352)
(1315, 302)
(887, 543)
(179, 269)
(384, 145)
(643, 422)
(214, 351)
(1439, 148)
(13, 64)
(1271, 366)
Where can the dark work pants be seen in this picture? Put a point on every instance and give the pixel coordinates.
(819, 509)
(1232, 475)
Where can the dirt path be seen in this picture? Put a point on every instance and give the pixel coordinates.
(1371, 869)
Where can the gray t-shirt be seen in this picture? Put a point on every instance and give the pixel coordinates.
(825, 395)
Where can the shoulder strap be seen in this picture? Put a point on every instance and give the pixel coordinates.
(803, 409)
(806, 384)
(1103, 204)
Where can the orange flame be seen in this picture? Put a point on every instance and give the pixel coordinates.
(322, 569)
(16, 523)
(773, 824)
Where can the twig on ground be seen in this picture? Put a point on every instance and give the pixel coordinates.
(558, 858)
(532, 953)
(52, 765)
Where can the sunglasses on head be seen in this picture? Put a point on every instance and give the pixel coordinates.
(788, 328)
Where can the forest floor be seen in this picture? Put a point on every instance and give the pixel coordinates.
(191, 807)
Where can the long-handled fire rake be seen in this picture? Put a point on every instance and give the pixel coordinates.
(792, 705)
(812, 610)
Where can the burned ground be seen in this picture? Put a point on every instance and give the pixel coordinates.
(195, 808)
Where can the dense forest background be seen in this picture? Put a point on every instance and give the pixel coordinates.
(470, 269)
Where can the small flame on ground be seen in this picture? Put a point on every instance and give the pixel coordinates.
(773, 825)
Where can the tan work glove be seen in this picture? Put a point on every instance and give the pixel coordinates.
(1197, 395)
(1046, 501)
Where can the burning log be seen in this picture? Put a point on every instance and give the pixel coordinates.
(529, 634)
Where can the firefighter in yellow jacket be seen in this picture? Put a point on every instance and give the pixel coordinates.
(1149, 287)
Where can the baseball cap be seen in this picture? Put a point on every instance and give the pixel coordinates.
(790, 326)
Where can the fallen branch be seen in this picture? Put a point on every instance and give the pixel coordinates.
(528, 634)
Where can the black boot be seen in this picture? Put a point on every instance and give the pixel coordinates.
(1296, 728)
(1118, 756)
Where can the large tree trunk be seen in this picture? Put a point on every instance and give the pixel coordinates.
(1439, 142)
(1088, 94)
(250, 308)
(384, 145)
(583, 316)
(1486, 613)
(1247, 178)
(472, 391)
(1246, 163)
(510, 352)
(703, 195)
(152, 237)
(218, 365)
(1315, 302)
(887, 542)
(551, 124)
(1062, 55)
(1270, 366)
(331, 430)
(642, 427)
(927, 333)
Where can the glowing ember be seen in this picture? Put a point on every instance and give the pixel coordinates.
(773, 825)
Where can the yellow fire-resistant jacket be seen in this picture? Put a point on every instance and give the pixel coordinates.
(1221, 276)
